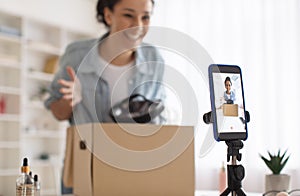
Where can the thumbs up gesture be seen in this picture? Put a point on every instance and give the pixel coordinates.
(71, 90)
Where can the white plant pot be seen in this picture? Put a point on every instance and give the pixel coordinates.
(280, 182)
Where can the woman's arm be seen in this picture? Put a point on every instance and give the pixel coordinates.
(61, 109)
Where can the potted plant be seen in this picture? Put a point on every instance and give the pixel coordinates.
(276, 181)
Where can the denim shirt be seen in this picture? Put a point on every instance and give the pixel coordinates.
(83, 56)
(232, 96)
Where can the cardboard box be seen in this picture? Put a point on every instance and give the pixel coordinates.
(131, 160)
(230, 110)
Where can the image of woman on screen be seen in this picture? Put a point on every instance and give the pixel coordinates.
(229, 95)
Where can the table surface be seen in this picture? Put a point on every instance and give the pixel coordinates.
(206, 193)
(216, 193)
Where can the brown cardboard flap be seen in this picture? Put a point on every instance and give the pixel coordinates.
(82, 160)
(68, 161)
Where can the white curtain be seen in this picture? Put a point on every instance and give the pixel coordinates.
(263, 38)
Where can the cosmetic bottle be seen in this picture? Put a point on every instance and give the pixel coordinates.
(37, 186)
(24, 183)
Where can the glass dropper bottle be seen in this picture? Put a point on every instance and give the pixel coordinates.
(24, 183)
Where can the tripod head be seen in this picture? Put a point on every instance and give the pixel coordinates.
(233, 149)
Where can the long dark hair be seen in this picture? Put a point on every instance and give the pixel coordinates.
(101, 4)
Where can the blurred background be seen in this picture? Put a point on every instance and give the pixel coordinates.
(262, 37)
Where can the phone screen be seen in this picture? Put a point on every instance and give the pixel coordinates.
(227, 100)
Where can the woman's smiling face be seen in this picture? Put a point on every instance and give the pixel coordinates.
(228, 86)
(130, 17)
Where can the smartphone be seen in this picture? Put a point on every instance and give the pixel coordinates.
(227, 102)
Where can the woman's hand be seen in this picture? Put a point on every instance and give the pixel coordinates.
(71, 90)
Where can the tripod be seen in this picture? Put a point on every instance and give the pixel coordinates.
(235, 173)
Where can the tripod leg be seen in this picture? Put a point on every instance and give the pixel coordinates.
(240, 192)
(226, 192)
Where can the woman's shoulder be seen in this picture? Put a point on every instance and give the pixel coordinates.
(76, 51)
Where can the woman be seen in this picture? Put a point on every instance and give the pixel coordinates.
(229, 95)
(110, 69)
(96, 74)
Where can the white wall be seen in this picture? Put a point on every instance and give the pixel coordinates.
(71, 14)
(263, 38)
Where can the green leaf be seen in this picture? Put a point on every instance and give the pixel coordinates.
(276, 162)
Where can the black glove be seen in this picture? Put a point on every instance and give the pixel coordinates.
(136, 108)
